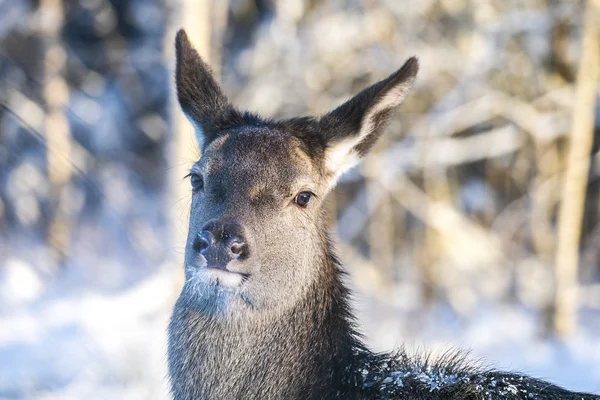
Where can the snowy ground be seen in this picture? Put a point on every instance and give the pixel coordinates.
(85, 345)
(503, 337)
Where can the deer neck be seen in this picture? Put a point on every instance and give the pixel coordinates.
(303, 352)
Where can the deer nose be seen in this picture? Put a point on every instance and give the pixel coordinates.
(220, 243)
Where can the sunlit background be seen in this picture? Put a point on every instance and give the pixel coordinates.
(473, 224)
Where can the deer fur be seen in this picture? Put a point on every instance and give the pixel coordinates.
(275, 321)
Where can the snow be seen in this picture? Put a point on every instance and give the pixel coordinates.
(502, 336)
(103, 345)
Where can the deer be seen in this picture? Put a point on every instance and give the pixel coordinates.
(264, 312)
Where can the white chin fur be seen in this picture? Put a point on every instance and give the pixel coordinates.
(213, 276)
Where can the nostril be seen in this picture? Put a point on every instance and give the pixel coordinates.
(237, 248)
(201, 243)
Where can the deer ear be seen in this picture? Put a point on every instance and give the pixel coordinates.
(198, 93)
(352, 129)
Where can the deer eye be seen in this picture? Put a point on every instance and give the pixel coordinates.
(302, 199)
(197, 181)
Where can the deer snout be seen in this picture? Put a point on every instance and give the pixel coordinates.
(219, 243)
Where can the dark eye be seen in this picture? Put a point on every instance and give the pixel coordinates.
(302, 199)
(197, 181)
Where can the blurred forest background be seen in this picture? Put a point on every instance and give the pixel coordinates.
(474, 223)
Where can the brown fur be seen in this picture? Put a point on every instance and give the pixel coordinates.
(275, 323)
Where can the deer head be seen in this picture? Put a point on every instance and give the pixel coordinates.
(257, 239)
